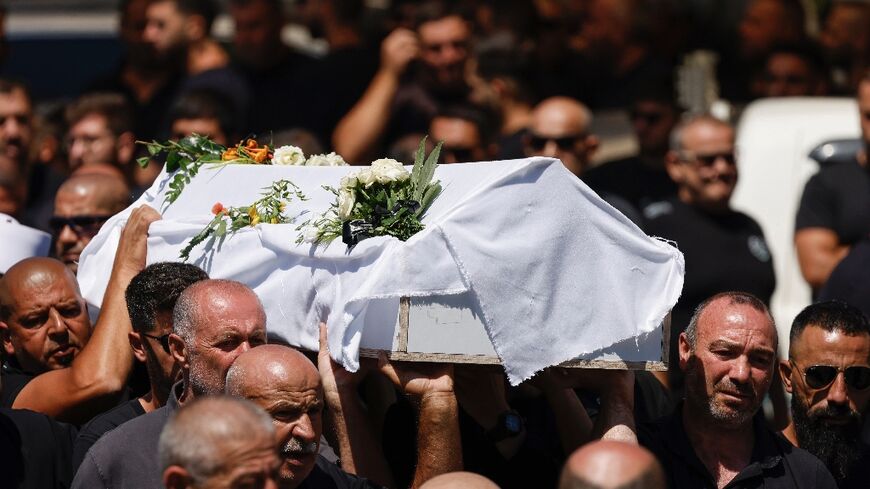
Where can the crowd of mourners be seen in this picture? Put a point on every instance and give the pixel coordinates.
(177, 382)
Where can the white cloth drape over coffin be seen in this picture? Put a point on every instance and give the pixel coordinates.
(556, 271)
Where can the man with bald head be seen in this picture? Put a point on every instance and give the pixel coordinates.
(82, 205)
(214, 321)
(459, 480)
(560, 129)
(608, 464)
(288, 386)
(219, 442)
(55, 363)
(714, 438)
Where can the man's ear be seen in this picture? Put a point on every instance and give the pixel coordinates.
(6, 338)
(178, 350)
(685, 351)
(591, 142)
(673, 166)
(175, 477)
(126, 146)
(136, 343)
(785, 370)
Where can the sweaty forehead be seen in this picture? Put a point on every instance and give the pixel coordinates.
(737, 323)
(817, 345)
(27, 288)
(78, 201)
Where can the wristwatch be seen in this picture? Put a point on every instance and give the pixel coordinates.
(510, 424)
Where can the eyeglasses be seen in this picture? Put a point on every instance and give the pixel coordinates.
(708, 160)
(162, 339)
(81, 225)
(821, 376)
(565, 143)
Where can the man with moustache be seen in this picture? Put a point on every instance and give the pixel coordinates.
(214, 321)
(151, 296)
(714, 439)
(828, 375)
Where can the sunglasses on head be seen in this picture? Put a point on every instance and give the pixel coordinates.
(162, 339)
(89, 225)
(820, 376)
(565, 143)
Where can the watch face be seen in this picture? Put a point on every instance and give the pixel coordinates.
(513, 423)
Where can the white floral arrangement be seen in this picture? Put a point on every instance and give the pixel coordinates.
(383, 199)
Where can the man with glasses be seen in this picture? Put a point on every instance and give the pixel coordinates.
(100, 131)
(828, 375)
(82, 205)
(724, 249)
(151, 296)
(560, 129)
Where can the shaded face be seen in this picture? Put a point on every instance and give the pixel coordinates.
(205, 127)
(87, 217)
(461, 139)
(90, 141)
(864, 108)
(254, 465)
(295, 403)
(788, 75)
(652, 122)
(15, 125)
(558, 134)
(257, 37)
(163, 370)
(759, 28)
(732, 364)
(165, 29)
(229, 324)
(445, 44)
(844, 33)
(706, 170)
(48, 323)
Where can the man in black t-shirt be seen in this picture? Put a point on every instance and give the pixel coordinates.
(724, 249)
(834, 211)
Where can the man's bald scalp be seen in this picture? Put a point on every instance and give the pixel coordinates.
(187, 311)
(574, 110)
(112, 193)
(257, 365)
(459, 480)
(608, 464)
(24, 270)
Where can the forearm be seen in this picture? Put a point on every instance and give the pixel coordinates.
(438, 443)
(818, 252)
(362, 127)
(616, 419)
(359, 449)
(572, 420)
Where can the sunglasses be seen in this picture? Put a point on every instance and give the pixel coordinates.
(81, 225)
(708, 160)
(162, 339)
(565, 143)
(459, 154)
(648, 117)
(821, 376)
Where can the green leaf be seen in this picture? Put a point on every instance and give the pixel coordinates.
(221, 229)
(143, 161)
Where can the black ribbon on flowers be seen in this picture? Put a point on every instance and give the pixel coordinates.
(352, 232)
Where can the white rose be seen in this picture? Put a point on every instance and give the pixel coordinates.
(310, 234)
(388, 170)
(288, 155)
(349, 181)
(331, 159)
(346, 200)
(366, 177)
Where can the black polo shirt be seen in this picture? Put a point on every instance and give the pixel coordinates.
(774, 464)
(13, 381)
(35, 450)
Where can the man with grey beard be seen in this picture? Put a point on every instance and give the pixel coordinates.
(714, 438)
(828, 375)
(214, 321)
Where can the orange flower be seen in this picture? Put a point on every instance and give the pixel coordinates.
(230, 154)
(217, 208)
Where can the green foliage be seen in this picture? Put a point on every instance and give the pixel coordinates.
(267, 210)
(185, 157)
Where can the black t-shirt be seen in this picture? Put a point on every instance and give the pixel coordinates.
(327, 475)
(850, 282)
(774, 463)
(35, 450)
(632, 180)
(723, 252)
(837, 198)
(101, 425)
(13, 381)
